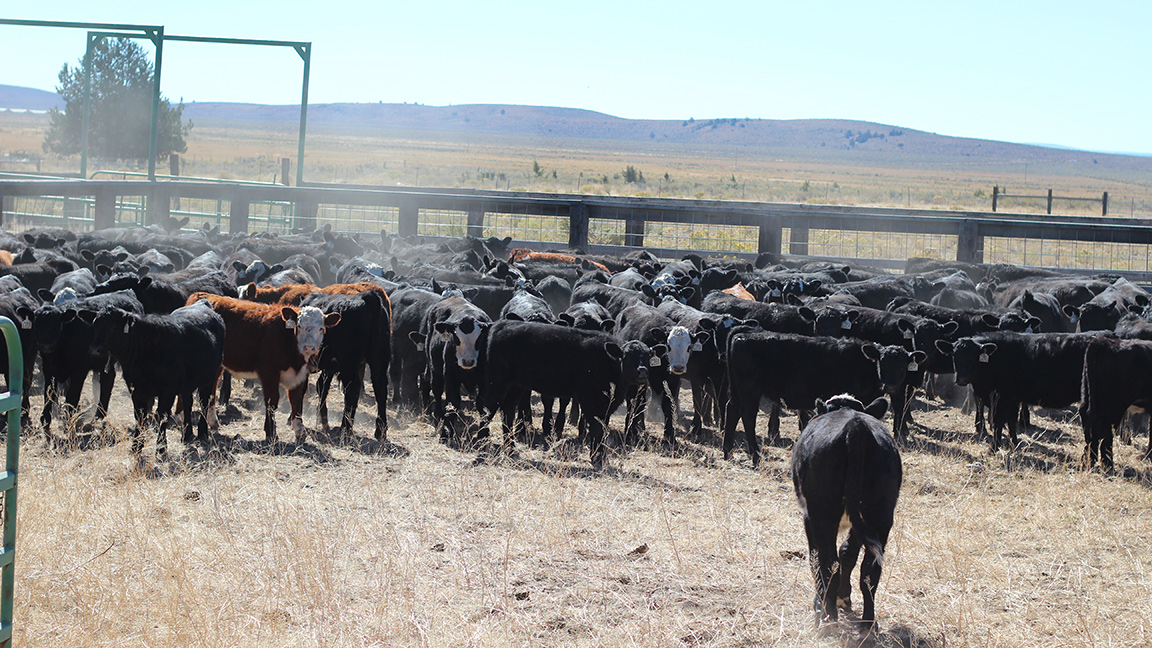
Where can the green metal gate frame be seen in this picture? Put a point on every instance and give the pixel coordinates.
(155, 33)
(10, 403)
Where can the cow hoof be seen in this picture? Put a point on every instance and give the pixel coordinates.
(844, 602)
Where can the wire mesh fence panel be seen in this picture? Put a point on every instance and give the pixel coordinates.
(201, 211)
(1079, 255)
(527, 227)
(442, 222)
(271, 216)
(130, 210)
(701, 237)
(74, 214)
(605, 231)
(359, 218)
(894, 246)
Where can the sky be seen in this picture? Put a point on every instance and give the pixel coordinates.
(1061, 73)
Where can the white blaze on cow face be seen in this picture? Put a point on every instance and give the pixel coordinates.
(309, 331)
(467, 334)
(679, 347)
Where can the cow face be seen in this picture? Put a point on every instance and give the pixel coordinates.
(310, 324)
(969, 357)
(1094, 316)
(924, 339)
(635, 357)
(679, 348)
(892, 364)
(465, 337)
(108, 327)
(831, 322)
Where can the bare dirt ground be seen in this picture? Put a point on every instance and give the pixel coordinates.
(411, 542)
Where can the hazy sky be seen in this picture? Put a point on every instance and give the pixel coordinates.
(1065, 73)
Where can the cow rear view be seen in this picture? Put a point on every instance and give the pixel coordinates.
(847, 473)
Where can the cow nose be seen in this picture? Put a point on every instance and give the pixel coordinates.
(309, 350)
(467, 363)
(678, 369)
(643, 374)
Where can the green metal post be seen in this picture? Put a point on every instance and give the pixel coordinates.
(10, 403)
(305, 52)
(86, 119)
(157, 37)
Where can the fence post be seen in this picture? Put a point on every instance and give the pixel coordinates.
(969, 243)
(476, 221)
(173, 170)
(285, 169)
(1104, 207)
(798, 237)
(995, 195)
(2, 199)
(306, 209)
(578, 226)
(633, 232)
(770, 235)
(1049, 201)
(238, 212)
(159, 205)
(409, 223)
(105, 215)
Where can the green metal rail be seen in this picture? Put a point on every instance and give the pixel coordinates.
(10, 403)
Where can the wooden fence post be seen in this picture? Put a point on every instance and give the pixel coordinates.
(238, 212)
(409, 223)
(2, 206)
(285, 169)
(1049, 201)
(995, 195)
(578, 226)
(1104, 205)
(770, 235)
(306, 209)
(969, 243)
(798, 237)
(476, 222)
(105, 215)
(634, 232)
(159, 205)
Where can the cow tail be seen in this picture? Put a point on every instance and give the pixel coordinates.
(860, 444)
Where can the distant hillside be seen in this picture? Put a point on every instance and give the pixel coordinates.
(814, 138)
(17, 98)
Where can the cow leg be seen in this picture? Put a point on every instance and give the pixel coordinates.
(899, 410)
(107, 382)
(51, 398)
(142, 409)
(635, 423)
(184, 406)
(163, 420)
(323, 384)
(524, 417)
(590, 404)
(750, 434)
(508, 408)
(1105, 442)
(849, 553)
(671, 408)
(561, 414)
(822, 559)
(296, 413)
(270, 386)
(353, 387)
(225, 389)
(1025, 417)
(870, 570)
(72, 394)
(208, 420)
(379, 370)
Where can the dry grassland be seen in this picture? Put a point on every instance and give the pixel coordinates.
(415, 543)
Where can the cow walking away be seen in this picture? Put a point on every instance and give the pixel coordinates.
(846, 472)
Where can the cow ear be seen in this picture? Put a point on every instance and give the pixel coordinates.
(143, 270)
(289, 315)
(123, 256)
(813, 285)
(1071, 311)
(608, 326)
(30, 239)
(988, 349)
(871, 352)
(877, 408)
(700, 337)
(944, 347)
(86, 315)
(990, 320)
(687, 292)
(240, 267)
(45, 295)
(513, 317)
(416, 337)
(1035, 322)
(471, 293)
(437, 288)
(808, 314)
(906, 326)
(87, 255)
(821, 407)
(331, 319)
(660, 349)
(248, 291)
(567, 318)
(706, 324)
(852, 315)
(614, 350)
(648, 291)
(951, 327)
(443, 327)
(919, 357)
(144, 283)
(792, 300)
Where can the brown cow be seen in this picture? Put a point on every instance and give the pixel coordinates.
(739, 291)
(293, 294)
(273, 343)
(524, 254)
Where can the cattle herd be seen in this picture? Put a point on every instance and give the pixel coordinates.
(461, 329)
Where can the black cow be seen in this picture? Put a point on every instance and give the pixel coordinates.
(453, 331)
(363, 339)
(558, 361)
(409, 357)
(164, 357)
(1007, 370)
(164, 296)
(1117, 376)
(846, 472)
(795, 371)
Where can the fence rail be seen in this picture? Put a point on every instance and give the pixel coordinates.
(879, 236)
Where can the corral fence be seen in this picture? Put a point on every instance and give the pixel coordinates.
(879, 237)
(998, 195)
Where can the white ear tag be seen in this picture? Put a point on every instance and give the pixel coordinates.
(1029, 330)
(289, 324)
(801, 282)
(1074, 319)
(654, 361)
(912, 366)
(983, 357)
(126, 324)
(420, 346)
(695, 281)
(908, 335)
(846, 325)
(776, 292)
(696, 346)
(26, 325)
(445, 336)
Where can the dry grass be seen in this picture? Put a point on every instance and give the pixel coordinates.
(415, 543)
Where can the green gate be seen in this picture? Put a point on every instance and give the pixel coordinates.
(10, 403)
